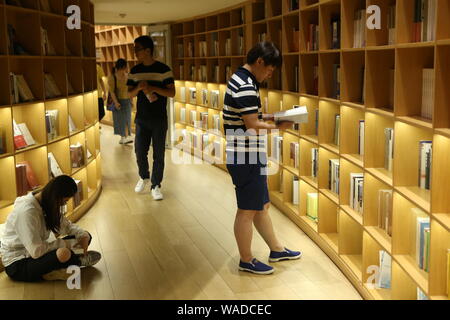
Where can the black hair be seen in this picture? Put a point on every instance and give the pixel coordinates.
(120, 64)
(268, 51)
(146, 42)
(52, 200)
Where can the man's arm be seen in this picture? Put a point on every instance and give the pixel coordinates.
(169, 91)
(251, 121)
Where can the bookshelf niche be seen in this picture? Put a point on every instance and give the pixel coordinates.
(366, 178)
(48, 105)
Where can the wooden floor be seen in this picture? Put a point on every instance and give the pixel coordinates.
(182, 247)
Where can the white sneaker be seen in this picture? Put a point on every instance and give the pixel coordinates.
(156, 193)
(140, 186)
(128, 139)
(122, 140)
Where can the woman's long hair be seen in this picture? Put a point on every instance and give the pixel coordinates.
(120, 64)
(53, 200)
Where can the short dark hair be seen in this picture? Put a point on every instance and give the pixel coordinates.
(268, 51)
(120, 64)
(146, 42)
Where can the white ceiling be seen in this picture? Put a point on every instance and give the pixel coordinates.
(154, 11)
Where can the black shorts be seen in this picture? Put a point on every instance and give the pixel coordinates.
(250, 181)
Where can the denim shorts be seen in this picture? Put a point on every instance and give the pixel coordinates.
(250, 181)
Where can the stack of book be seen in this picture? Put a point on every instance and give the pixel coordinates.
(72, 126)
(202, 73)
(51, 123)
(216, 122)
(182, 114)
(78, 197)
(336, 33)
(337, 129)
(22, 136)
(55, 169)
(228, 52)
(294, 154)
(359, 31)
(361, 131)
(428, 82)
(51, 89)
(295, 190)
(425, 157)
(47, 47)
(384, 275)
(385, 211)
(424, 27)
(204, 120)
(333, 175)
(313, 41)
(391, 25)
(312, 202)
(193, 95)
(357, 191)
(202, 48)
(388, 148)
(277, 148)
(215, 96)
(314, 162)
(422, 239)
(26, 179)
(76, 155)
(20, 91)
(336, 93)
(193, 118)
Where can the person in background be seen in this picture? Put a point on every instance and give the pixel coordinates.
(26, 250)
(245, 130)
(101, 92)
(117, 83)
(152, 82)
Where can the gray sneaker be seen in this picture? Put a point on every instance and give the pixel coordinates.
(90, 259)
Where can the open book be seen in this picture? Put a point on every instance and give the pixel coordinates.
(296, 115)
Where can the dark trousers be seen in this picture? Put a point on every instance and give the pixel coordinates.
(101, 109)
(146, 133)
(32, 270)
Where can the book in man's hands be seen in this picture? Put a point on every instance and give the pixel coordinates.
(296, 115)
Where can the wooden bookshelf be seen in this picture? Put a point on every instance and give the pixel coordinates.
(380, 83)
(70, 66)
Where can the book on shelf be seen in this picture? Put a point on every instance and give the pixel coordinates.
(422, 228)
(202, 73)
(361, 136)
(205, 142)
(216, 74)
(295, 40)
(29, 140)
(32, 180)
(192, 72)
(193, 119)
(20, 91)
(314, 162)
(421, 295)
(428, 83)
(388, 148)
(72, 126)
(336, 93)
(47, 47)
(359, 31)
(51, 123)
(217, 149)
(385, 211)
(356, 191)
(216, 122)
(180, 50)
(51, 89)
(214, 45)
(78, 197)
(19, 139)
(181, 70)
(55, 169)
(190, 49)
(313, 41)
(335, 33)
(294, 154)
(193, 95)
(22, 187)
(384, 275)
(424, 23)
(215, 96)
(391, 25)
(312, 201)
(228, 52)
(277, 148)
(333, 175)
(425, 162)
(228, 73)
(295, 190)
(182, 114)
(202, 48)
(76, 155)
(241, 44)
(204, 120)
(337, 129)
(183, 94)
(299, 114)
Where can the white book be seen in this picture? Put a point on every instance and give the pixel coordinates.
(26, 134)
(361, 136)
(72, 127)
(54, 166)
(385, 260)
(193, 95)
(425, 147)
(205, 96)
(295, 183)
(296, 115)
(354, 177)
(215, 94)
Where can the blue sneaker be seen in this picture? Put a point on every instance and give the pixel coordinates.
(255, 267)
(285, 255)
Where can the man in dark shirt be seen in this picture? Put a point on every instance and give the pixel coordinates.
(152, 82)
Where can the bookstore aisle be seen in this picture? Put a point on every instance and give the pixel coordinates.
(182, 247)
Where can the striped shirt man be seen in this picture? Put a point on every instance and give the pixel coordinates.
(242, 98)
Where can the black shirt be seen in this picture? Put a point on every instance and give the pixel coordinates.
(160, 76)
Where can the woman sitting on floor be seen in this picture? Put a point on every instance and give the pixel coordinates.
(26, 252)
